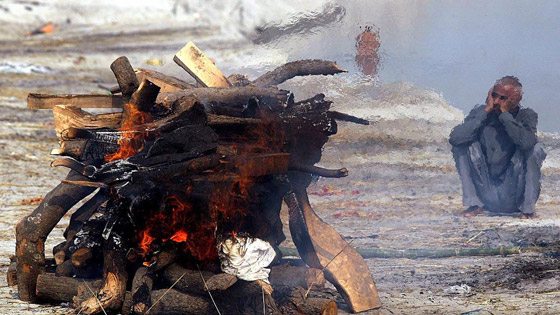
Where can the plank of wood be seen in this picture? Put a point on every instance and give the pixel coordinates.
(165, 82)
(69, 116)
(47, 101)
(200, 67)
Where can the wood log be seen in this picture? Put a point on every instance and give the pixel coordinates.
(165, 82)
(318, 306)
(112, 293)
(66, 117)
(32, 231)
(64, 269)
(200, 67)
(142, 284)
(144, 98)
(297, 68)
(47, 101)
(321, 247)
(81, 257)
(174, 302)
(236, 97)
(11, 275)
(229, 121)
(293, 276)
(220, 282)
(126, 78)
(61, 289)
(191, 281)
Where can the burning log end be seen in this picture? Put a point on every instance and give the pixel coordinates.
(315, 170)
(145, 96)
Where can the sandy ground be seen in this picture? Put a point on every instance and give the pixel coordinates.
(402, 191)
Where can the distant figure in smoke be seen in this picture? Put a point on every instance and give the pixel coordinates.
(367, 44)
(497, 154)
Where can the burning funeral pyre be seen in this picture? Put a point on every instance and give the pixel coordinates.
(180, 196)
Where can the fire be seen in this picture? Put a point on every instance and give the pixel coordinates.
(131, 141)
(178, 221)
(146, 241)
(180, 236)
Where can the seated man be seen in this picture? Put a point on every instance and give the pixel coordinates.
(497, 155)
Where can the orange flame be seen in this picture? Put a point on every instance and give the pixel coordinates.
(131, 141)
(179, 236)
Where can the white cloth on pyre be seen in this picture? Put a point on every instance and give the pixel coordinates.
(246, 257)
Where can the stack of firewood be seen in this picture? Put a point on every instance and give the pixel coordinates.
(180, 168)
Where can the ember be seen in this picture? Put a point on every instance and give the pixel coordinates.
(190, 185)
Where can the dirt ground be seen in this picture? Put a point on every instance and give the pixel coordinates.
(401, 193)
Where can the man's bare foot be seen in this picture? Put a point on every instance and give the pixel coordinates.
(529, 216)
(472, 211)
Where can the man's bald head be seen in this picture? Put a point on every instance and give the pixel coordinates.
(513, 81)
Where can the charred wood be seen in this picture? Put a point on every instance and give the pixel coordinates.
(236, 97)
(319, 171)
(142, 284)
(144, 97)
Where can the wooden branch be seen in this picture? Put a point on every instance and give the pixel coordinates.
(61, 289)
(165, 82)
(126, 78)
(32, 231)
(315, 170)
(298, 68)
(200, 67)
(47, 101)
(345, 117)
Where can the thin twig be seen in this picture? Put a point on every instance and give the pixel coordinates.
(96, 298)
(264, 305)
(207, 290)
(325, 267)
(166, 291)
(472, 238)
